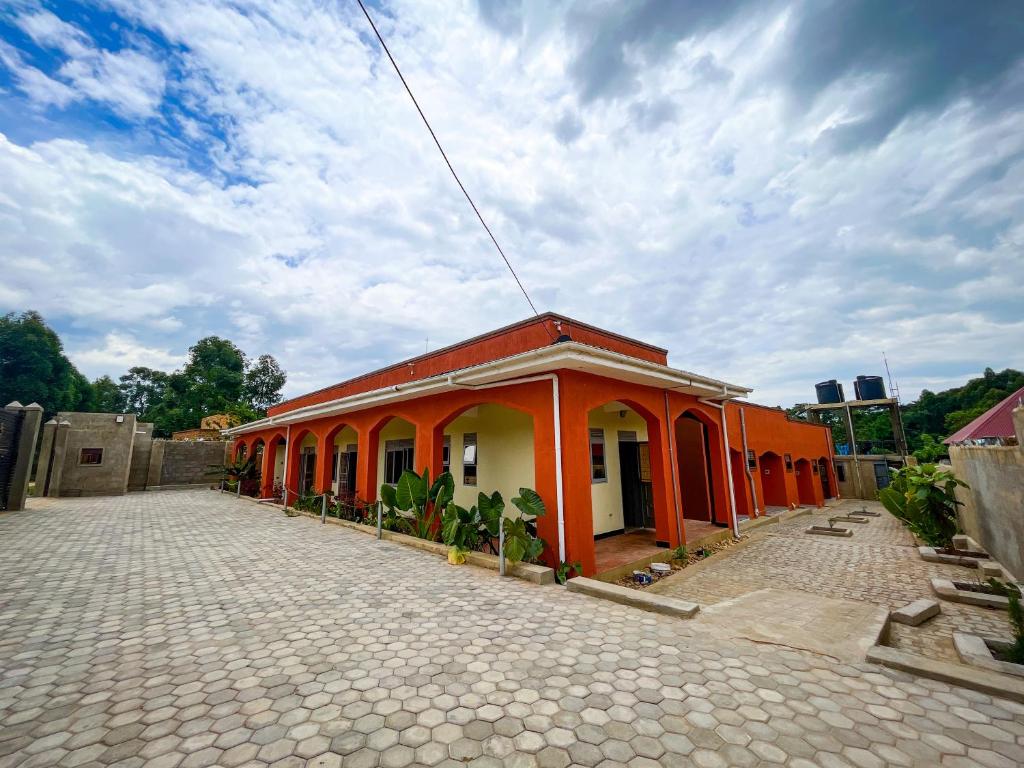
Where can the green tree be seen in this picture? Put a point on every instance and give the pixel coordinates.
(142, 389)
(211, 382)
(34, 368)
(263, 382)
(107, 396)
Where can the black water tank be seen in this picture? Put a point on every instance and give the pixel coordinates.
(830, 391)
(869, 388)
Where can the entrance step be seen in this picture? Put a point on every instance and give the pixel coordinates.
(645, 601)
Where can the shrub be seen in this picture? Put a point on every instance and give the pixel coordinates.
(924, 498)
(1016, 651)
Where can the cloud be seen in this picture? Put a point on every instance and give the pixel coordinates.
(663, 170)
(119, 352)
(128, 80)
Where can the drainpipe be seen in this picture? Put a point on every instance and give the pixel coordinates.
(287, 456)
(746, 462)
(728, 468)
(553, 378)
(670, 429)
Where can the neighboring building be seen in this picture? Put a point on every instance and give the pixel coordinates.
(875, 473)
(993, 427)
(609, 435)
(109, 454)
(993, 504)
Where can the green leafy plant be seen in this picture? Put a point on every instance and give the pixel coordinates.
(924, 498)
(521, 540)
(1015, 653)
(414, 504)
(469, 529)
(564, 569)
(238, 470)
(681, 555)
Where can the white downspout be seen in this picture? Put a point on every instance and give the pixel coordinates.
(728, 467)
(287, 456)
(557, 417)
(746, 462)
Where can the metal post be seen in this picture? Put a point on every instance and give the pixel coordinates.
(323, 510)
(284, 495)
(238, 489)
(222, 485)
(501, 547)
(380, 521)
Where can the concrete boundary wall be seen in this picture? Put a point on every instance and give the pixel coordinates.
(993, 508)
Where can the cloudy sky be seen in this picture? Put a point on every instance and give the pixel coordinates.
(775, 191)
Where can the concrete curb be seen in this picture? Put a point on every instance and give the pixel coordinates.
(536, 574)
(929, 554)
(973, 678)
(974, 651)
(947, 590)
(635, 598)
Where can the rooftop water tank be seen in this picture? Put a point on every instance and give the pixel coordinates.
(830, 391)
(869, 388)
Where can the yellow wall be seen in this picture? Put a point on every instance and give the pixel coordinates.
(504, 439)
(606, 497)
(396, 429)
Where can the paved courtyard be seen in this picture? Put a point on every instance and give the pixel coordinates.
(879, 564)
(182, 629)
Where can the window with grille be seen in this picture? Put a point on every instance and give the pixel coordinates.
(751, 460)
(398, 455)
(446, 454)
(789, 462)
(91, 456)
(469, 458)
(598, 468)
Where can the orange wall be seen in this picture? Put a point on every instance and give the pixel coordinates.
(534, 333)
(771, 430)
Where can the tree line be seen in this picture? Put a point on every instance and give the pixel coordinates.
(217, 378)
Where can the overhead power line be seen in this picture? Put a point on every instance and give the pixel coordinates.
(448, 162)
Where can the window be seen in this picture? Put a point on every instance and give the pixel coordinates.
(751, 460)
(446, 454)
(789, 462)
(840, 473)
(814, 468)
(91, 456)
(598, 470)
(335, 457)
(469, 458)
(397, 459)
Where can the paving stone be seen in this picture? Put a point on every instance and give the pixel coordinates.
(226, 650)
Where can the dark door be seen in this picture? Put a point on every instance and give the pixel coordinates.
(350, 473)
(307, 472)
(881, 475)
(10, 426)
(637, 510)
(826, 489)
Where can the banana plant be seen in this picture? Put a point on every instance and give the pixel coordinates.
(924, 498)
(417, 503)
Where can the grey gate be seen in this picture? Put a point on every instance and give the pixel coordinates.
(10, 431)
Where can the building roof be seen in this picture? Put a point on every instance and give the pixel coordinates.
(530, 334)
(996, 422)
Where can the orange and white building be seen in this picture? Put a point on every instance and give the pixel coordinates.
(613, 438)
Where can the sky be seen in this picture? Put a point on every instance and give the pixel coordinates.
(775, 191)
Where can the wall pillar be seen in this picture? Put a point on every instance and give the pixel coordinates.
(32, 415)
(666, 523)
(366, 463)
(579, 514)
(267, 470)
(324, 462)
(49, 432)
(428, 449)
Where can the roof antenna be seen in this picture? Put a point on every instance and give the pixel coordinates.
(562, 335)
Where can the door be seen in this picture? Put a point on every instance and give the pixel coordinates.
(881, 475)
(10, 426)
(634, 470)
(307, 470)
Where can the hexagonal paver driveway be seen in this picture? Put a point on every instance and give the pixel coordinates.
(181, 629)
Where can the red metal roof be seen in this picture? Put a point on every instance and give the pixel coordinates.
(995, 422)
